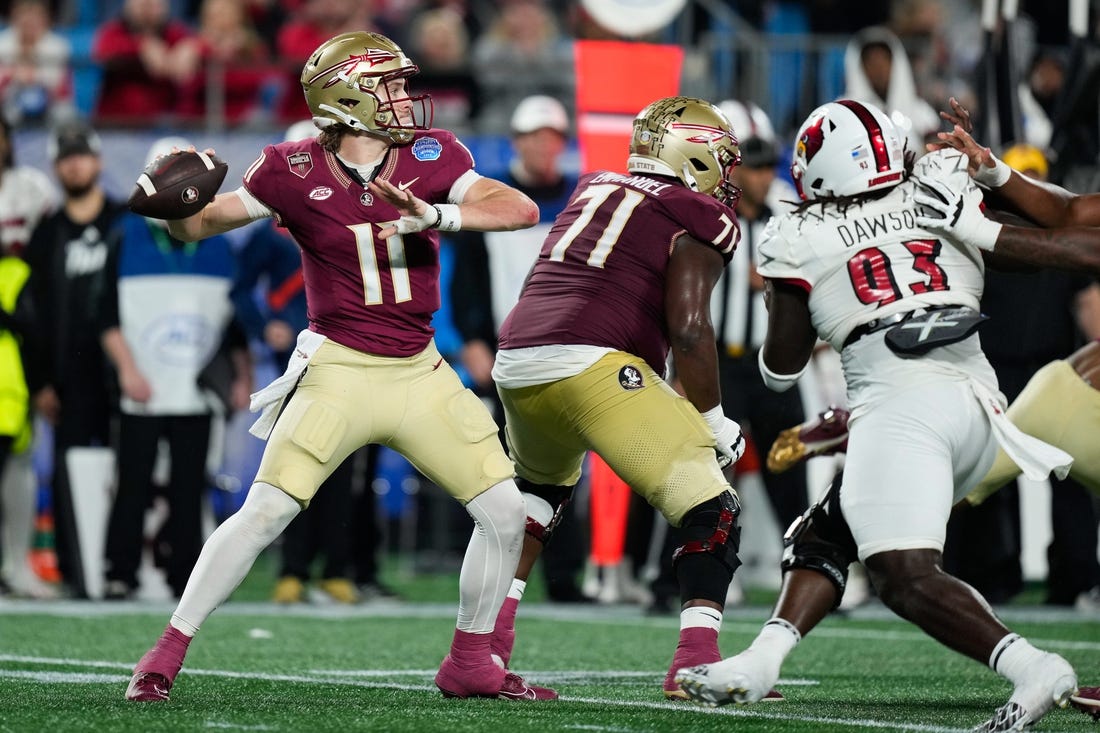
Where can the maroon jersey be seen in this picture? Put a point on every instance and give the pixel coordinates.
(600, 277)
(374, 295)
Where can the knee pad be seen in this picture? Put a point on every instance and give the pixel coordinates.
(820, 540)
(545, 506)
(711, 527)
(267, 510)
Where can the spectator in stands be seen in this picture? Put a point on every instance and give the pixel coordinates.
(165, 312)
(68, 256)
(522, 53)
(26, 195)
(140, 84)
(225, 55)
(439, 40)
(877, 71)
(35, 79)
(489, 271)
(314, 23)
(17, 370)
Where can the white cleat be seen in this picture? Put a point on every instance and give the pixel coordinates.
(1030, 703)
(742, 679)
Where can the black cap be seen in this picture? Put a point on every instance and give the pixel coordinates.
(73, 138)
(756, 152)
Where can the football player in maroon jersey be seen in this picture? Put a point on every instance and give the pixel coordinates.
(626, 270)
(365, 201)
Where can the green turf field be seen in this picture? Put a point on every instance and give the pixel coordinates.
(256, 667)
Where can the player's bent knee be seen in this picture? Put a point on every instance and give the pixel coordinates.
(545, 506)
(268, 509)
(707, 559)
(500, 510)
(821, 541)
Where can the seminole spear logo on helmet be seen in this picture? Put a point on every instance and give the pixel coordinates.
(344, 69)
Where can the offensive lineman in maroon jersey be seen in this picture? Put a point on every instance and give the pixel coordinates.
(628, 267)
(364, 200)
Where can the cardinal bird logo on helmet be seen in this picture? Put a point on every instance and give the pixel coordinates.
(811, 140)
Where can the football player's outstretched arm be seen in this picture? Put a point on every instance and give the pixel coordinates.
(1042, 202)
(492, 206)
(225, 212)
(693, 270)
(488, 206)
(791, 335)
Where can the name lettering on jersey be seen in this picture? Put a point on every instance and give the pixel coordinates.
(427, 148)
(300, 163)
(320, 193)
(856, 231)
(641, 183)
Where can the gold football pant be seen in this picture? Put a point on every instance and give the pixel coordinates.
(653, 438)
(1058, 407)
(415, 405)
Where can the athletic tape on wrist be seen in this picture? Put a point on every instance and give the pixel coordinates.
(994, 177)
(450, 218)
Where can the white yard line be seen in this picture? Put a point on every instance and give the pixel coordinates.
(344, 678)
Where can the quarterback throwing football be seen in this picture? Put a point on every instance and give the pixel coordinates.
(365, 201)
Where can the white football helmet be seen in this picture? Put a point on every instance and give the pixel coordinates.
(687, 139)
(345, 80)
(846, 148)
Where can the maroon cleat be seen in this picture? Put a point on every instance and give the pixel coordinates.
(486, 680)
(1087, 700)
(157, 669)
(148, 687)
(824, 435)
(515, 688)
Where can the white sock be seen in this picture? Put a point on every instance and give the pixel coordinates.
(1012, 658)
(777, 638)
(517, 589)
(701, 617)
(489, 566)
(230, 551)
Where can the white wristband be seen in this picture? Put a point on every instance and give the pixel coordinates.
(450, 218)
(985, 234)
(715, 418)
(994, 177)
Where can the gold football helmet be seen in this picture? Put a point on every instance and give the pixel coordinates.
(345, 81)
(688, 139)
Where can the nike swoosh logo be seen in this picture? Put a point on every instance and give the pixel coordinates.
(404, 186)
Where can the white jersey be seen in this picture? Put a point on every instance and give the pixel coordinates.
(932, 424)
(26, 195)
(871, 260)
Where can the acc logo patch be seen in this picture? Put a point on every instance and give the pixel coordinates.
(300, 163)
(320, 193)
(427, 148)
(630, 378)
(367, 198)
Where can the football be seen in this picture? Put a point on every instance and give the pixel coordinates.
(177, 185)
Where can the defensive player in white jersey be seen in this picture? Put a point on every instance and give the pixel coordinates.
(853, 266)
